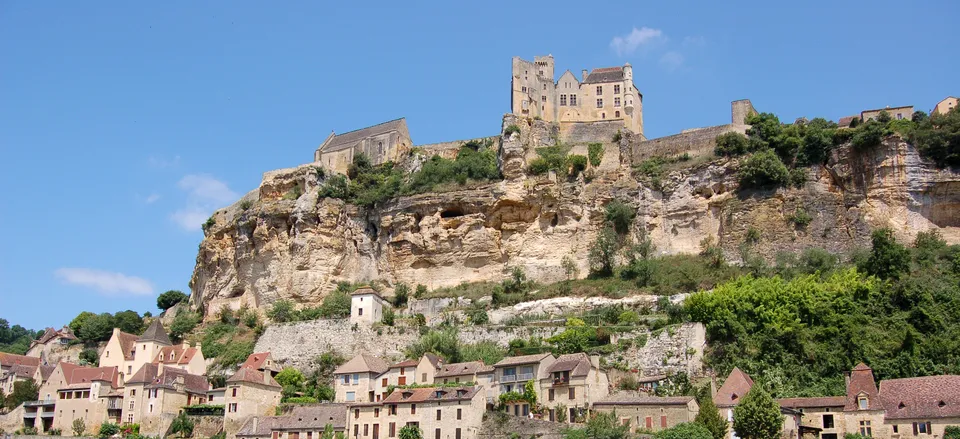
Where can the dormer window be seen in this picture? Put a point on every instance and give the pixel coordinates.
(941, 403)
(406, 395)
(901, 406)
(734, 397)
(173, 356)
(161, 356)
(440, 394)
(863, 403)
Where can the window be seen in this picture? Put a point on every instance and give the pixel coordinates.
(436, 434)
(234, 392)
(233, 407)
(921, 428)
(573, 100)
(523, 89)
(563, 100)
(438, 414)
(616, 102)
(351, 396)
(393, 409)
(356, 430)
(459, 413)
(423, 377)
(458, 434)
(392, 429)
(108, 354)
(133, 392)
(827, 421)
(366, 429)
(616, 114)
(863, 403)
(865, 428)
(380, 147)
(599, 90)
(550, 395)
(603, 115)
(899, 116)
(543, 99)
(130, 418)
(151, 408)
(402, 381)
(616, 89)
(544, 85)
(129, 370)
(663, 422)
(360, 311)
(572, 393)
(383, 382)
(649, 421)
(161, 356)
(413, 409)
(526, 409)
(376, 413)
(131, 405)
(599, 103)
(896, 428)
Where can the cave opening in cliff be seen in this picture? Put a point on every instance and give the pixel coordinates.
(451, 213)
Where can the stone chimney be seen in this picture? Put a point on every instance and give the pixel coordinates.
(256, 423)
(178, 383)
(846, 380)
(595, 361)
(266, 377)
(584, 75)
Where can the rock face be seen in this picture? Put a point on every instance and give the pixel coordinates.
(282, 242)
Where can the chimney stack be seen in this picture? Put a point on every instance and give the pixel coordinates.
(256, 423)
(584, 73)
(266, 377)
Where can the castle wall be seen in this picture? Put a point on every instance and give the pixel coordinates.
(448, 150)
(587, 132)
(695, 142)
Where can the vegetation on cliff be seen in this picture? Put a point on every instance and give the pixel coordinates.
(16, 339)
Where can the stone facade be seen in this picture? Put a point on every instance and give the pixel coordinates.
(249, 393)
(574, 382)
(366, 307)
(649, 413)
(603, 94)
(387, 141)
(454, 413)
(905, 112)
(944, 106)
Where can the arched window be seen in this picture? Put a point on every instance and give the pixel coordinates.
(380, 147)
(616, 114)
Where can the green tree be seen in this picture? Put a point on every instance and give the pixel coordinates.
(129, 321)
(951, 432)
(764, 128)
(79, 427)
(686, 430)
(336, 305)
(763, 169)
(97, 328)
(183, 324)
(389, 316)
(182, 425)
(108, 429)
(620, 215)
(77, 323)
(172, 297)
(600, 426)
(410, 431)
(575, 338)
(486, 351)
(603, 253)
(420, 291)
(731, 144)
(595, 152)
(888, 259)
(757, 416)
(281, 311)
(442, 342)
(290, 377)
(89, 357)
(709, 417)
(937, 138)
(23, 391)
(400, 295)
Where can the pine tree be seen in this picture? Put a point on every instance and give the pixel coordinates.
(710, 417)
(757, 416)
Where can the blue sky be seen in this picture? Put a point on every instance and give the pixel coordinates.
(124, 124)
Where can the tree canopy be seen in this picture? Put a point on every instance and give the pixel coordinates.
(757, 416)
(170, 298)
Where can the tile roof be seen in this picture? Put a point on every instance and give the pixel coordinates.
(434, 359)
(155, 333)
(170, 376)
(460, 369)
(522, 359)
(846, 120)
(606, 74)
(363, 363)
(23, 370)
(931, 397)
(366, 290)
(128, 343)
(46, 371)
(406, 363)
(862, 382)
(10, 360)
(253, 376)
(623, 399)
(256, 360)
(351, 138)
(823, 401)
(145, 374)
(181, 354)
(50, 334)
(314, 417)
(733, 389)
(577, 364)
(651, 379)
(264, 425)
(82, 376)
(430, 394)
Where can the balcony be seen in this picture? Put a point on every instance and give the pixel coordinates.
(517, 377)
(561, 381)
(114, 404)
(47, 402)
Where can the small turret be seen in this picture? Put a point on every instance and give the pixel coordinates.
(628, 72)
(583, 75)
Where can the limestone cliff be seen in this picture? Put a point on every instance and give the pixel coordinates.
(281, 241)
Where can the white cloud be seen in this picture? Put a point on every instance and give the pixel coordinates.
(671, 61)
(629, 43)
(108, 283)
(204, 195)
(152, 198)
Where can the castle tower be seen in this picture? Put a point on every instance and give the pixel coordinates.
(632, 106)
(533, 92)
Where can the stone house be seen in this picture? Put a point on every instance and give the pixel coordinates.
(17, 373)
(419, 371)
(921, 406)
(302, 422)
(155, 394)
(52, 340)
(182, 356)
(512, 373)
(383, 142)
(89, 393)
(128, 352)
(729, 395)
(357, 380)
(821, 417)
(250, 392)
(366, 306)
(604, 94)
(575, 382)
(439, 413)
(905, 112)
(469, 372)
(650, 413)
(8, 362)
(262, 361)
(943, 107)
(863, 411)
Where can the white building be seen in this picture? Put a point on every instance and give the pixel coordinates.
(366, 306)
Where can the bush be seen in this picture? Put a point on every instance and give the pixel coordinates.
(595, 152)
(951, 432)
(400, 295)
(281, 311)
(510, 130)
(420, 291)
(181, 424)
(336, 305)
(577, 163)
(800, 217)
(620, 215)
(757, 416)
(79, 427)
(335, 187)
(108, 429)
(867, 136)
(388, 316)
(478, 316)
(888, 259)
(732, 144)
(937, 138)
(246, 204)
(54, 432)
(686, 430)
(603, 253)
(183, 324)
(166, 300)
(89, 357)
(763, 169)
(538, 166)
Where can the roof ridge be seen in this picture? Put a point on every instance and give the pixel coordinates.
(371, 126)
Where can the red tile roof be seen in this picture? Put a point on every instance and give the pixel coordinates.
(9, 360)
(23, 370)
(77, 376)
(733, 389)
(430, 394)
(931, 397)
(824, 401)
(406, 363)
(128, 343)
(363, 363)
(181, 354)
(577, 364)
(253, 376)
(256, 360)
(460, 369)
(862, 383)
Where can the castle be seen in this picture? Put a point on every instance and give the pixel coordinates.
(604, 94)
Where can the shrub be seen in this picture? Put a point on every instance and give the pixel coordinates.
(388, 316)
(753, 235)
(798, 177)
(763, 169)
(226, 315)
(210, 222)
(595, 152)
(183, 324)
(420, 291)
(54, 432)
(617, 136)
(108, 429)
(410, 431)
(937, 138)
(538, 166)
(301, 400)
(245, 204)
(181, 424)
(603, 252)
(818, 260)
(281, 311)
(951, 432)
(335, 187)
(79, 427)
(336, 305)
(89, 357)
(620, 215)
(510, 130)
(400, 295)
(577, 163)
(685, 430)
(731, 144)
(867, 136)
(757, 416)
(800, 217)
(888, 258)
(628, 382)
(709, 417)
(478, 316)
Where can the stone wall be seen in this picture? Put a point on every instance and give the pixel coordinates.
(586, 132)
(699, 141)
(448, 150)
(499, 425)
(206, 426)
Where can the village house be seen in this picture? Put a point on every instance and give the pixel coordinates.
(88, 393)
(250, 392)
(649, 413)
(263, 362)
(439, 413)
(52, 341)
(155, 394)
(896, 113)
(302, 422)
(469, 372)
(182, 356)
(420, 371)
(128, 352)
(944, 106)
(17, 373)
(821, 417)
(8, 362)
(381, 143)
(604, 94)
(366, 306)
(512, 373)
(356, 380)
(573, 381)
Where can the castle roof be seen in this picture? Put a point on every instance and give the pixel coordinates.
(350, 138)
(606, 74)
(862, 383)
(155, 333)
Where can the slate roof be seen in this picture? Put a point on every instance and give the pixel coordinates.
(460, 369)
(351, 138)
(824, 401)
(145, 374)
(624, 399)
(363, 363)
(155, 333)
(366, 290)
(931, 397)
(169, 376)
(577, 364)
(522, 359)
(127, 343)
(862, 382)
(264, 426)
(606, 74)
(733, 389)
(434, 359)
(314, 417)
(429, 394)
(182, 355)
(252, 376)
(9, 360)
(256, 360)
